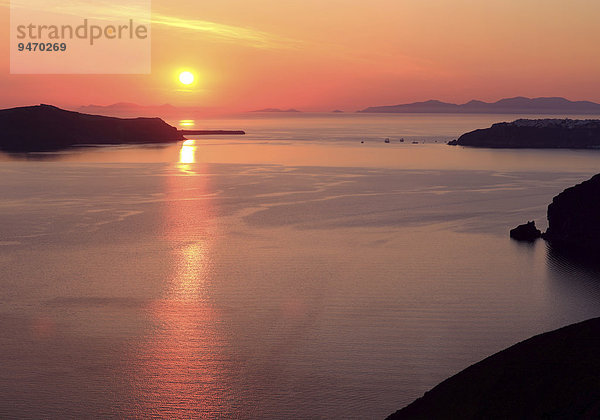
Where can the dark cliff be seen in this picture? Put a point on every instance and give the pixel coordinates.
(46, 128)
(545, 133)
(574, 217)
(552, 375)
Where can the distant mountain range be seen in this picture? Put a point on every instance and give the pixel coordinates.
(276, 110)
(135, 110)
(518, 105)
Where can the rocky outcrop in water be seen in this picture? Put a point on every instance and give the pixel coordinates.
(47, 128)
(552, 375)
(574, 217)
(527, 232)
(544, 133)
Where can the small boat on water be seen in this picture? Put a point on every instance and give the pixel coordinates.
(402, 140)
(387, 140)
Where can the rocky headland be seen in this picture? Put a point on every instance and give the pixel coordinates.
(542, 133)
(573, 220)
(574, 217)
(47, 128)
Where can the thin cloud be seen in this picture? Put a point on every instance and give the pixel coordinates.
(220, 32)
(227, 33)
(105, 10)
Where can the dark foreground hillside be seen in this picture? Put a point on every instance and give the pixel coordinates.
(552, 375)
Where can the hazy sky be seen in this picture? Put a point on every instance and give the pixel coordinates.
(347, 54)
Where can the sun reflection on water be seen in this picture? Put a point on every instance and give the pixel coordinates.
(187, 153)
(182, 365)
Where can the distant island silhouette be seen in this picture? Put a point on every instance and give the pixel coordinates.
(552, 375)
(517, 105)
(276, 110)
(539, 134)
(213, 132)
(46, 128)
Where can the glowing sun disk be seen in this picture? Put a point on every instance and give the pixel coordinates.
(186, 77)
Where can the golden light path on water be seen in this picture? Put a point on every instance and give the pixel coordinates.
(187, 155)
(182, 365)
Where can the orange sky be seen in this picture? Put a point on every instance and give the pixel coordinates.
(347, 54)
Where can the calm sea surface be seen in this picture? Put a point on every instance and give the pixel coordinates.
(292, 273)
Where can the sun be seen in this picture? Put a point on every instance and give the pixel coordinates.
(186, 77)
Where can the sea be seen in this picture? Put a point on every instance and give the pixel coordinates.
(306, 270)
